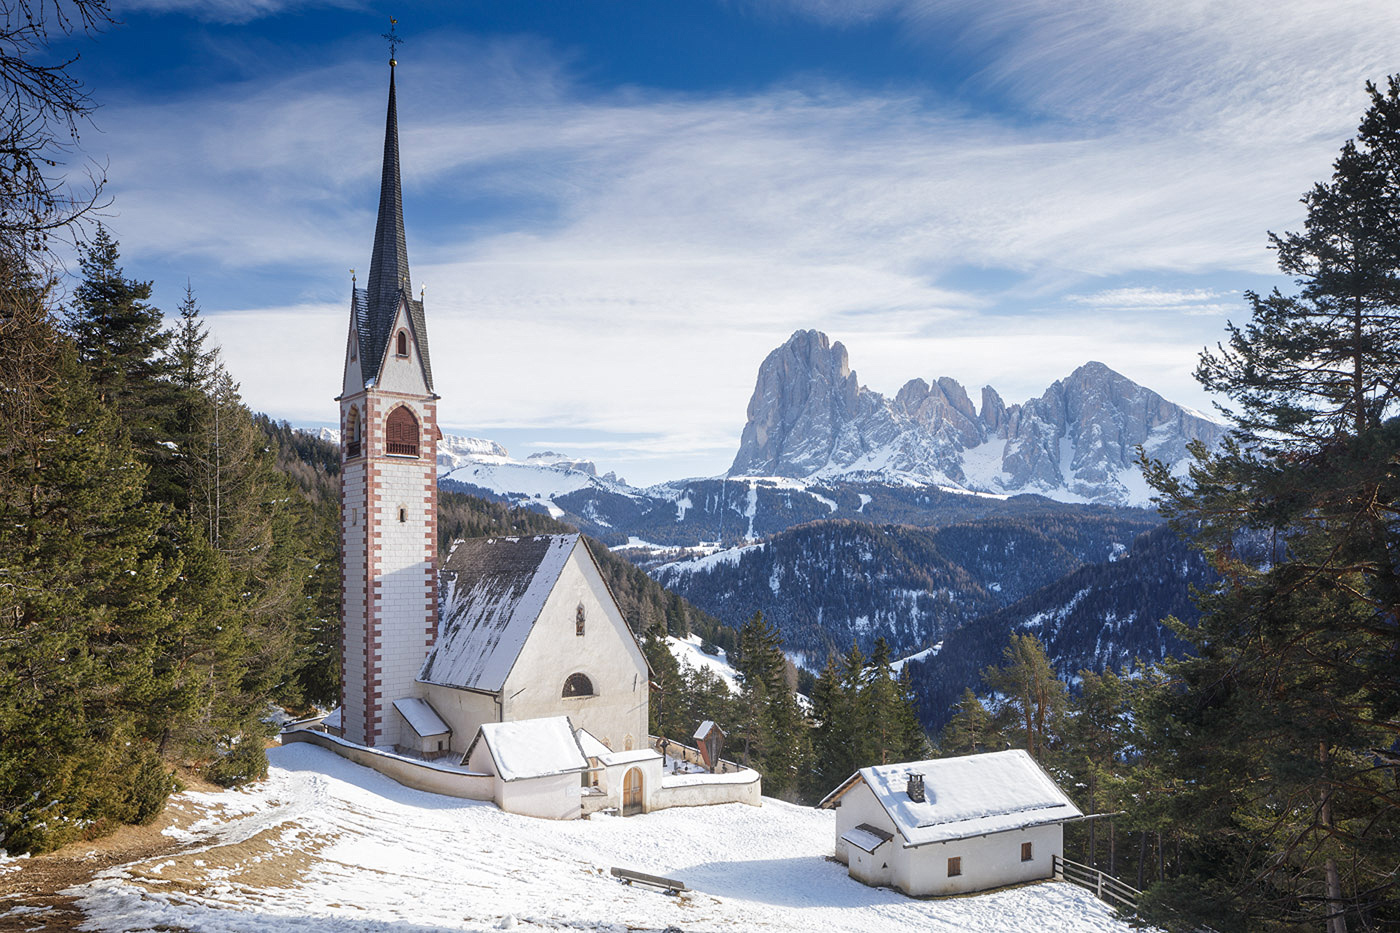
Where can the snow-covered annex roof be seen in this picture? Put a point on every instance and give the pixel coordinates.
(493, 590)
(968, 796)
(531, 748)
(423, 719)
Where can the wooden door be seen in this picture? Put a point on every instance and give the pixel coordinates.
(632, 792)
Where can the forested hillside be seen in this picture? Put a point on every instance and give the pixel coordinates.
(828, 584)
(1101, 617)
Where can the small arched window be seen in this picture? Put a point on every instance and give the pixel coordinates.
(578, 685)
(401, 432)
(403, 514)
(578, 621)
(402, 348)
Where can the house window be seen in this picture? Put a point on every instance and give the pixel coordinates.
(578, 620)
(402, 348)
(578, 685)
(955, 866)
(401, 433)
(1026, 852)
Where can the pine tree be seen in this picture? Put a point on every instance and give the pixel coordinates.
(971, 729)
(81, 604)
(832, 757)
(771, 725)
(1280, 727)
(121, 343)
(1034, 695)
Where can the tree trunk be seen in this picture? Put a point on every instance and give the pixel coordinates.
(1112, 850)
(1336, 909)
(1093, 829)
(1142, 857)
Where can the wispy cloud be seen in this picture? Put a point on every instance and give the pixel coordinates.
(622, 261)
(227, 11)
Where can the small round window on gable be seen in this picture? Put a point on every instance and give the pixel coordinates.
(578, 685)
(578, 621)
(402, 348)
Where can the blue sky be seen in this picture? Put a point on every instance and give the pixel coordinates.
(619, 208)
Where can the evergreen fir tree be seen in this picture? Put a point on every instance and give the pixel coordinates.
(1282, 728)
(81, 608)
(1035, 697)
(121, 342)
(971, 729)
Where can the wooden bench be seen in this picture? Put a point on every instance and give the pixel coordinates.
(628, 876)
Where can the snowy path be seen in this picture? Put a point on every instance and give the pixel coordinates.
(325, 846)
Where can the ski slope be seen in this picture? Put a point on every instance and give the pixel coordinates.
(327, 846)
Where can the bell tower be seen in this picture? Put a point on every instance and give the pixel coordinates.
(388, 478)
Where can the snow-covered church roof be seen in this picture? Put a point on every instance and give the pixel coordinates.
(492, 591)
(967, 796)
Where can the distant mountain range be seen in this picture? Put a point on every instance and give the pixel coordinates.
(936, 524)
(810, 418)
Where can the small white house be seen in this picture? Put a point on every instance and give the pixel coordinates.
(951, 825)
(537, 764)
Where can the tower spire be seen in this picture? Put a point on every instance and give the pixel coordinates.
(388, 265)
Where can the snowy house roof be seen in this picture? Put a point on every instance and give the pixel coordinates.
(332, 721)
(968, 796)
(423, 719)
(493, 590)
(531, 748)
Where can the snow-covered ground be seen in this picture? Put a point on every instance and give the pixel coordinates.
(688, 653)
(327, 846)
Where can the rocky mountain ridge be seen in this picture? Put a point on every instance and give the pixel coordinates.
(810, 418)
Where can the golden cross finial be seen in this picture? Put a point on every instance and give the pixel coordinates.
(395, 40)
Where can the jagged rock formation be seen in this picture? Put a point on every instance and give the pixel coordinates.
(810, 417)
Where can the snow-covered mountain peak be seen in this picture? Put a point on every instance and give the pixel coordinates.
(810, 418)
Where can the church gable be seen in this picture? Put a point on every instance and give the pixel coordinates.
(581, 660)
(402, 368)
(492, 591)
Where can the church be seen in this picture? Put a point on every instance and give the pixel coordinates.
(437, 657)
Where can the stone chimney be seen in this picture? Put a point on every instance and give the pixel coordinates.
(916, 787)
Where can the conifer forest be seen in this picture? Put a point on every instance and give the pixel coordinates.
(169, 572)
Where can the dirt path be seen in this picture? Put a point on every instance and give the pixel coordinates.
(30, 901)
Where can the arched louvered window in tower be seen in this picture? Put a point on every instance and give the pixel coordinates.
(401, 433)
(578, 685)
(352, 433)
(402, 348)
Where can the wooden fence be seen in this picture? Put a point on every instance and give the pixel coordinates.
(1105, 887)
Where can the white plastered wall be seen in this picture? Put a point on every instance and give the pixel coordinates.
(463, 710)
(554, 797)
(987, 861)
(858, 805)
(606, 653)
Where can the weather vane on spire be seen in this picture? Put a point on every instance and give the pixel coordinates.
(395, 40)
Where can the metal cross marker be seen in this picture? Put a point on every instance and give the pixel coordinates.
(395, 40)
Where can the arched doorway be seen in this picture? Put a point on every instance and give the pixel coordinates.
(632, 792)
